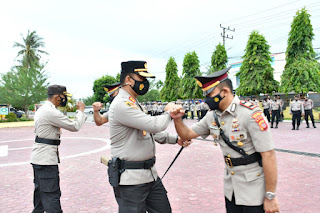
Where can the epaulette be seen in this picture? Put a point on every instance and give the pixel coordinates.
(248, 104)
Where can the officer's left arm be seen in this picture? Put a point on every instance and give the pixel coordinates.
(165, 137)
(260, 133)
(302, 109)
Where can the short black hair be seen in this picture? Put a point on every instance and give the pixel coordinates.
(226, 83)
(50, 96)
(123, 76)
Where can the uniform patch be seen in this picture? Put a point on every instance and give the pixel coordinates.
(144, 133)
(260, 121)
(247, 104)
(132, 99)
(130, 104)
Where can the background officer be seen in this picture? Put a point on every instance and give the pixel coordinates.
(281, 107)
(112, 90)
(266, 108)
(133, 134)
(296, 110)
(275, 110)
(245, 139)
(254, 100)
(45, 155)
(308, 106)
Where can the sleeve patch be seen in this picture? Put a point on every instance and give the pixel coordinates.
(131, 105)
(247, 104)
(260, 121)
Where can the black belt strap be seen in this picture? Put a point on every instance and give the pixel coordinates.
(237, 149)
(137, 164)
(243, 160)
(47, 141)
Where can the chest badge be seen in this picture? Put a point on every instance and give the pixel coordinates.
(235, 120)
(144, 133)
(235, 125)
(235, 130)
(240, 143)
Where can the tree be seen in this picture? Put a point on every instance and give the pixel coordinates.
(98, 90)
(256, 72)
(88, 100)
(152, 95)
(172, 82)
(30, 51)
(159, 84)
(219, 59)
(302, 71)
(191, 68)
(22, 86)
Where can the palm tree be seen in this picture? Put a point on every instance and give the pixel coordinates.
(30, 49)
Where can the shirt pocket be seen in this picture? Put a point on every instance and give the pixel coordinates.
(254, 175)
(214, 132)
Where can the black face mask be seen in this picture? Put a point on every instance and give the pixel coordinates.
(63, 101)
(111, 99)
(213, 102)
(140, 87)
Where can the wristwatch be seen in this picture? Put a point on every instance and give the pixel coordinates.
(270, 195)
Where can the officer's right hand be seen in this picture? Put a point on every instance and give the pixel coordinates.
(80, 106)
(177, 112)
(97, 106)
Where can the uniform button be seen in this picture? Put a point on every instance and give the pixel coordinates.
(232, 173)
(222, 123)
(258, 174)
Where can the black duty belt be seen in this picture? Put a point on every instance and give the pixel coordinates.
(138, 164)
(47, 141)
(231, 162)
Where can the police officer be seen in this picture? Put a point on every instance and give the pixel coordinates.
(308, 105)
(266, 108)
(112, 90)
(254, 101)
(245, 139)
(275, 109)
(296, 110)
(45, 155)
(192, 109)
(281, 107)
(132, 134)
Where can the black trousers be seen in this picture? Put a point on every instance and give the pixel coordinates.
(267, 113)
(296, 117)
(192, 114)
(199, 115)
(151, 197)
(46, 197)
(186, 114)
(275, 114)
(308, 113)
(232, 207)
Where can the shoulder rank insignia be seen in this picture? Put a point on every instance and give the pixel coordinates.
(247, 104)
(260, 121)
(131, 105)
(132, 99)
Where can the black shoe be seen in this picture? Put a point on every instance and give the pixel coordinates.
(293, 128)
(271, 126)
(297, 128)
(314, 126)
(276, 127)
(307, 127)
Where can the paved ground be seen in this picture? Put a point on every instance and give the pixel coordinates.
(194, 183)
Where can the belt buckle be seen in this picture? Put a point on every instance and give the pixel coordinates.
(229, 162)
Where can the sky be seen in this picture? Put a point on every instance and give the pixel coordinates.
(89, 39)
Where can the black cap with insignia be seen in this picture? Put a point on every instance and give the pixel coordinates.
(111, 88)
(209, 82)
(137, 67)
(57, 90)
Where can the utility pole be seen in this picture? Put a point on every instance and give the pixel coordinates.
(224, 33)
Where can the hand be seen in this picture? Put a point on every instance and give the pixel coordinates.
(184, 143)
(271, 206)
(302, 114)
(169, 106)
(290, 113)
(177, 112)
(97, 106)
(80, 106)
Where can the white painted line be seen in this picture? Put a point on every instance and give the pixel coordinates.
(4, 151)
(107, 146)
(12, 141)
(30, 147)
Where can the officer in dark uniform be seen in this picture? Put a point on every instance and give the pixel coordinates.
(241, 129)
(308, 106)
(133, 133)
(45, 155)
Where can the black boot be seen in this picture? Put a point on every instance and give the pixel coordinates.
(276, 126)
(293, 128)
(314, 126)
(308, 125)
(297, 127)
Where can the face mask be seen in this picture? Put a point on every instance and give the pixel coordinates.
(63, 101)
(296, 100)
(213, 102)
(111, 99)
(140, 87)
